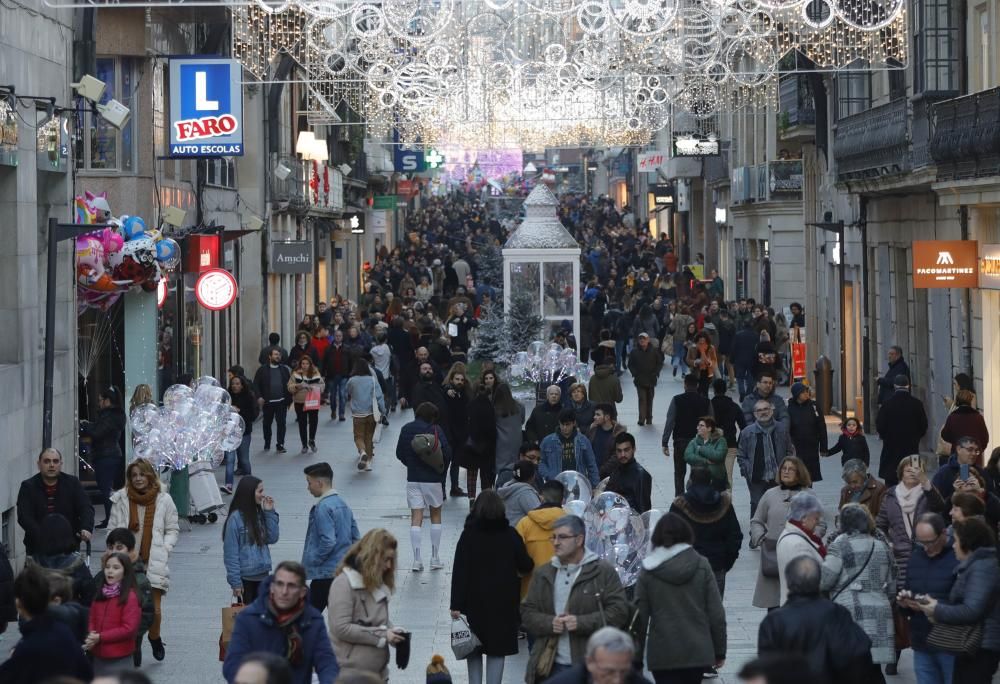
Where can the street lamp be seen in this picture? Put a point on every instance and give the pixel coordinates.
(58, 232)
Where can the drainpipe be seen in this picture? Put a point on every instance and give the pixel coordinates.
(865, 320)
(963, 221)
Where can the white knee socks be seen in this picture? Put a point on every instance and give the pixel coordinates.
(435, 539)
(415, 542)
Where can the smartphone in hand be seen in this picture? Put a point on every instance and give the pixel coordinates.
(963, 471)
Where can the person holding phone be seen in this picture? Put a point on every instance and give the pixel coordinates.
(360, 629)
(250, 527)
(963, 471)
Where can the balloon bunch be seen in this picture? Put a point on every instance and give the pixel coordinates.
(615, 531)
(111, 261)
(548, 364)
(192, 425)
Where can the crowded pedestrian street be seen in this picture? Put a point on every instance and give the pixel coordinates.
(191, 611)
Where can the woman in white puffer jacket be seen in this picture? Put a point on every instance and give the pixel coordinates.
(152, 517)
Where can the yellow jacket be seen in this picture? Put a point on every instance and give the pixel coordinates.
(535, 529)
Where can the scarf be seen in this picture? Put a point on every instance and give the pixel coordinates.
(851, 435)
(110, 591)
(908, 499)
(770, 460)
(817, 542)
(287, 623)
(147, 500)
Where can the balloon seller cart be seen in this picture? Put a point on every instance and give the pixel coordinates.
(205, 496)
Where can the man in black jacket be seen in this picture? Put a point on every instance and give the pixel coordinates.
(897, 366)
(901, 423)
(271, 383)
(629, 478)
(682, 422)
(837, 649)
(52, 491)
(645, 363)
(744, 352)
(429, 390)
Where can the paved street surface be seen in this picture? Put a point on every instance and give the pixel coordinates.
(192, 623)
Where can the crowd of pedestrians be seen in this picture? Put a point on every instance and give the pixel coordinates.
(906, 560)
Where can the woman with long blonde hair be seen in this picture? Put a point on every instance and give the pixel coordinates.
(145, 509)
(142, 394)
(360, 629)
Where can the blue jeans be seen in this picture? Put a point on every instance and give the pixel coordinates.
(933, 667)
(744, 380)
(620, 354)
(679, 360)
(242, 454)
(336, 387)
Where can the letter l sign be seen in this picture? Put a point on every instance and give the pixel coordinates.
(201, 102)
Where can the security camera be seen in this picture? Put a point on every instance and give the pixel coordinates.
(282, 171)
(90, 88)
(345, 169)
(115, 113)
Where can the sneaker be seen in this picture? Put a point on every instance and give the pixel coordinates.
(312, 445)
(417, 566)
(436, 563)
(710, 673)
(305, 449)
(362, 461)
(159, 653)
(267, 447)
(226, 489)
(280, 449)
(368, 465)
(342, 419)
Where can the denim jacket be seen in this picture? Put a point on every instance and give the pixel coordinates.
(332, 529)
(241, 556)
(550, 464)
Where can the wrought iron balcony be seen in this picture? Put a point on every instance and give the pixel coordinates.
(873, 143)
(966, 138)
(289, 190)
(774, 181)
(797, 112)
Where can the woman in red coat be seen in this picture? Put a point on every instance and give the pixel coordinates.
(114, 616)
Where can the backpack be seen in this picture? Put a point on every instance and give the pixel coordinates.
(428, 448)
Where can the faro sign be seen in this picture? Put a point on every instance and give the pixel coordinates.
(206, 107)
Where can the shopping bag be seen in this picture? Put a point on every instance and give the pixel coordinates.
(229, 614)
(376, 413)
(463, 640)
(313, 398)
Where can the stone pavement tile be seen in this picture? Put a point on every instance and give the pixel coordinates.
(198, 589)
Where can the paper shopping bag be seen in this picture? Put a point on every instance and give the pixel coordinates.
(229, 614)
(313, 397)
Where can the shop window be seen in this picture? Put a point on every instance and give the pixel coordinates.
(7, 532)
(937, 49)
(220, 172)
(101, 146)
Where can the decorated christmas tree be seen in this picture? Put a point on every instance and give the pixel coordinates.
(523, 324)
(489, 268)
(491, 343)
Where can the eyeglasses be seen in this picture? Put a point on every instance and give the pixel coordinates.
(925, 544)
(562, 537)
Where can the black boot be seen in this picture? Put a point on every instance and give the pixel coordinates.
(158, 651)
(137, 653)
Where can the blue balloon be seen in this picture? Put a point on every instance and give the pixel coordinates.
(133, 227)
(165, 249)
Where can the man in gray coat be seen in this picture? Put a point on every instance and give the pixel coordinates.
(759, 452)
(766, 384)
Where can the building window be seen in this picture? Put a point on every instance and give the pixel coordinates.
(220, 172)
(854, 90)
(100, 146)
(936, 46)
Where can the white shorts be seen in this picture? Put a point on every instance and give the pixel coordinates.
(420, 495)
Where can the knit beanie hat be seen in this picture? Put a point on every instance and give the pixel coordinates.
(437, 673)
(798, 388)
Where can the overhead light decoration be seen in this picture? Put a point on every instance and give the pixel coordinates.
(539, 73)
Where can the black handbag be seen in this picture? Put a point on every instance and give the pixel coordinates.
(958, 639)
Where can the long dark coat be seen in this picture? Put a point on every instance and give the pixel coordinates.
(486, 582)
(480, 451)
(901, 423)
(808, 432)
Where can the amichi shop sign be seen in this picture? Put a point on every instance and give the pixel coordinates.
(292, 257)
(989, 267)
(945, 263)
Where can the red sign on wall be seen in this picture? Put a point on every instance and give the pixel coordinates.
(798, 359)
(201, 253)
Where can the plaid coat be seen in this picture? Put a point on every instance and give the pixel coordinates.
(865, 589)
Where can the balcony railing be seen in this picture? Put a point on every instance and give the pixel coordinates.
(774, 181)
(873, 143)
(966, 136)
(717, 168)
(289, 190)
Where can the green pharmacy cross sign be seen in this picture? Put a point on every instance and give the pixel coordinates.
(434, 159)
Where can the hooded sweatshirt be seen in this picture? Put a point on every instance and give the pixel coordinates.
(535, 529)
(605, 387)
(519, 498)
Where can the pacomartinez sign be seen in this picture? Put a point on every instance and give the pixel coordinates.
(292, 257)
(945, 263)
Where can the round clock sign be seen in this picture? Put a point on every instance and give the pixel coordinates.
(216, 289)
